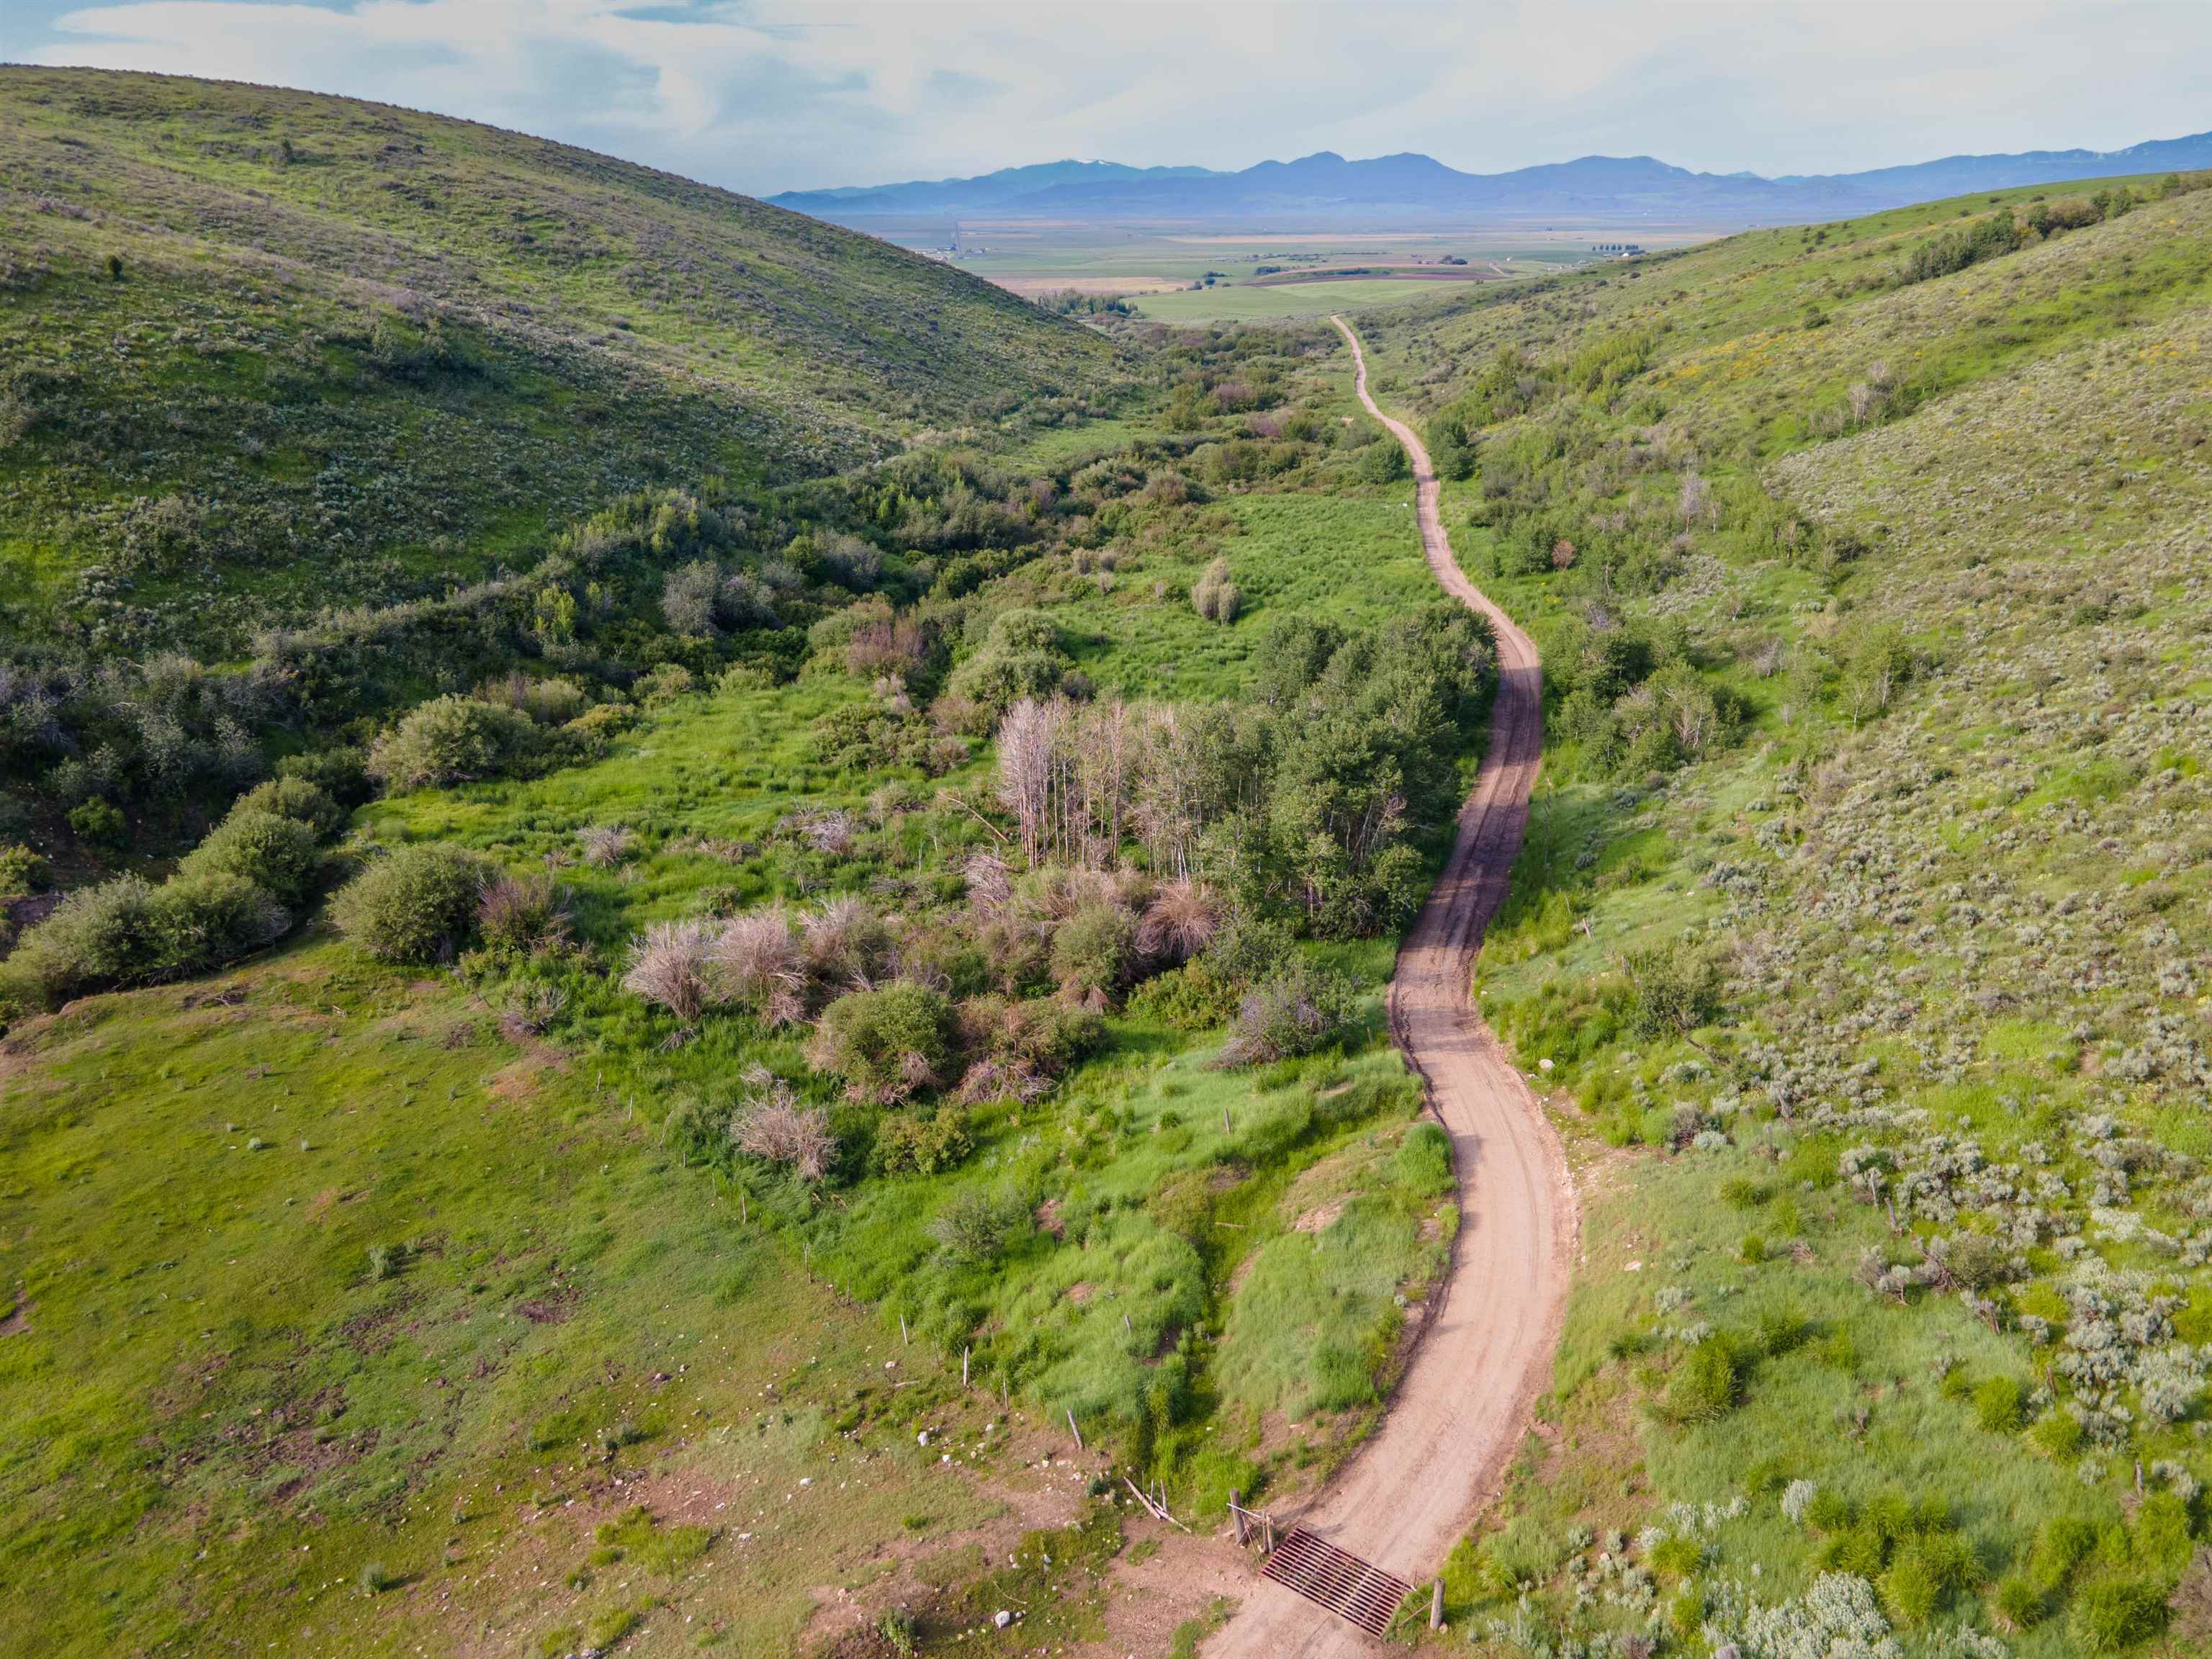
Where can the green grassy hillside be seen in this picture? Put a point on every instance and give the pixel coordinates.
(263, 351)
(470, 1301)
(1862, 935)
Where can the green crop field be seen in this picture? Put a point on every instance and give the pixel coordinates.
(1232, 302)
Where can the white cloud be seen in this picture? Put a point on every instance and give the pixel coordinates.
(769, 94)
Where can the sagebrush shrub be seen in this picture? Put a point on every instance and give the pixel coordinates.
(201, 919)
(296, 798)
(278, 854)
(771, 1124)
(671, 963)
(1214, 596)
(923, 1144)
(1091, 952)
(522, 913)
(414, 904)
(452, 740)
(979, 1227)
(885, 1044)
(96, 938)
(1298, 1010)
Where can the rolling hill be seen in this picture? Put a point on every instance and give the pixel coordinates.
(1860, 934)
(303, 350)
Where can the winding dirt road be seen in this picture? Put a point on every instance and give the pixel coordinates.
(1459, 1413)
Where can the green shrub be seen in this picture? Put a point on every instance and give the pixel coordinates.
(1783, 1330)
(1909, 1590)
(341, 773)
(2001, 1405)
(2059, 1435)
(885, 1044)
(1042, 1034)
(97, 937)
(1091, 951)
(2061, 1542)
(1703, 1385)
(665, 681)
(1753, 1250)
(1830, 1511)
(414, 904)
(2159, 1540)
(2115, 1614)
(2020, 1602)
(1195, 997)
(1424, 1163)
(22, 872)
(923, 1144)
(203, 919)
(298, 798)
(1299, 1010)
(278, 854)
(1677, 1556)
(1741, 1193)
(99, 821)
(452, 740)
(1814, 1161)
(610, 1627)
(1674, 989)
(977, 1228)
(128, 931)
(1340, 1378)
(1022, 656)
(1520, 1554)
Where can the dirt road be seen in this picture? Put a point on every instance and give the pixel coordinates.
(1460, 1410)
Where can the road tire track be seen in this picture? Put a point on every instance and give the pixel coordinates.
(1485, 1353)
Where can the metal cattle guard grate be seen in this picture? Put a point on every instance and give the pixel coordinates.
(1349, 1587)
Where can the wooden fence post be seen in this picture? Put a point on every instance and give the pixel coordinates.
(1437, 1605)
(1236, 1513)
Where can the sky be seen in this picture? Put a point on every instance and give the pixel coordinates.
(763, 95)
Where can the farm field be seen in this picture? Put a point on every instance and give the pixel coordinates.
(1155, 266)
(1245, 302)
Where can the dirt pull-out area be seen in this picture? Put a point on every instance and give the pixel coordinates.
(1459, 1412)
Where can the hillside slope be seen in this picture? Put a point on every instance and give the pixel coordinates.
(1862, 930)
(266, 350)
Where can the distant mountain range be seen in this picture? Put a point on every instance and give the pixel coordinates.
(1397, 189)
